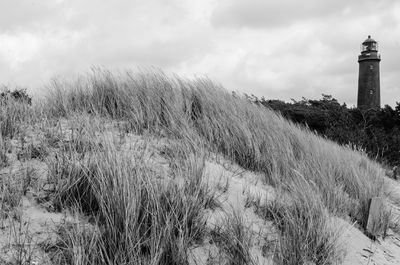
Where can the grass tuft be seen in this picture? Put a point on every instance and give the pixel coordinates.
(234, 239)
(306, 232)
(142, 220)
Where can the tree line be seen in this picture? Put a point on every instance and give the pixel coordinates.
(376, 131)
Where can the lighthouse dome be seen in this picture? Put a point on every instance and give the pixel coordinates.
(369, 40)
(369, 45)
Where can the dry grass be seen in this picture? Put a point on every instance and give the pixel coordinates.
(3, 152)
(234, 239)
(140, 217)
(11, 192)
(306, 233)
(22, 245)
(252, 136)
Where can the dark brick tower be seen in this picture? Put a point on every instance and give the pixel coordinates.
(368, 76)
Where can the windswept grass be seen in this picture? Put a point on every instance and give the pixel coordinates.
(306, 233)
(139, 219)
(234, 239)
(138, 216)
(252, 136)
(3, 151)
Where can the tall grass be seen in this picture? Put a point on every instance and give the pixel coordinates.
(234, 239)
(306, 233)
(3, 151)
(139, 219)
(138, 216)
(13, 115)
(254, 137)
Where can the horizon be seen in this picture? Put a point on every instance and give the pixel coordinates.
(274, 50)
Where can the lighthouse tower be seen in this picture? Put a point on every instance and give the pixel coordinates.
(368, 76)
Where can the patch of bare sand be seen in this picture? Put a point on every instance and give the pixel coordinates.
(28, 225)
(362, 250)
(23, 233)
(235, 187)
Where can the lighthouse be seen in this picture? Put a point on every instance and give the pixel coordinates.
(368, 75)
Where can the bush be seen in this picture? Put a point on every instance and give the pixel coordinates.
(376, 130)
(18, 94)
(15, 109)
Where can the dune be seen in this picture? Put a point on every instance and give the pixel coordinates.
(146, 168)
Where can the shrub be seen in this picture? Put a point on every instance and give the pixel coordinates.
(14, 110)
(18, 94)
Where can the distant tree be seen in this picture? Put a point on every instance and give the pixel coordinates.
(18, 94)
(377, 131)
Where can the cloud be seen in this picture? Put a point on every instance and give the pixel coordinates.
(65, 37)
(277, 49)
(23, 13)
(269, 14)
(17, 49)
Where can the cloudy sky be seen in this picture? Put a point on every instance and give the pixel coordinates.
(279, 49)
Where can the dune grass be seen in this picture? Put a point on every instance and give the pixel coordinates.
(234, 239)
(139, 219)
(252, 136)
(306, 233)
(3, 151)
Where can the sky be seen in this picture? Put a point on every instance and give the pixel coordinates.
(286, 49)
